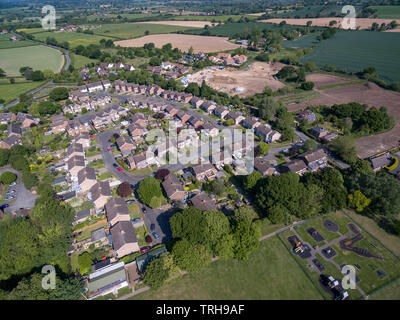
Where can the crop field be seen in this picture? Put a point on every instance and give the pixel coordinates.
(134, 30)
(269, 273)
(306, 41)
(73, 38)
(387, 12)
(36, 57)
(79, 61)
(313, 11)
(190, 24)
(182, 41)
(222, 18)
(93, 17)
(10, 92)
(356, 50)
(6, 43)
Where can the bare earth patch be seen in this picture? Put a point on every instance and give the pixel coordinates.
(363, 23)
(244, 82)
(371, 95)
(191, 24)
(322, 80)
(182, 42)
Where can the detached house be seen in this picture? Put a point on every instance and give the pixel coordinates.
(173, 188)
(99, 193)
(307, 115)
(14, 130)
(262, 166)
(203, 202)
(125, 145)
(58, 124)
(204, 172)
(116, 211)
(86, 178)
(124, 239)
(267, 133)
(7, 117)
(83, 139)
(75, 149)
(297, 166)
(11, 141)
(25, 119)
(315, 159)
(318, 132)
(75, 164)
(135, 131)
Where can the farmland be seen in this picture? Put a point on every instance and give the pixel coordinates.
(191, 24)
(10, 92)
(6, 43)
(306, 41)
(134, 30)
(353, 51)
(387, 12)
(36, 57)
(269, 273)
(212, 18)
(183, 42)
(73, 38)
(80, 61)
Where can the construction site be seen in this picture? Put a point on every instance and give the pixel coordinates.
(242, 82)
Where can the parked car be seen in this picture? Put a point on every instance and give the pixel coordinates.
(152, 227)
(144, 249)
(9, 197)
(130, 201)
(136, 220)
(155, 235)
(13, 184)
(119, 169)
(144, 210)
(115, 165)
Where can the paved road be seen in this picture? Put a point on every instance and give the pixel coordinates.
(23, 197)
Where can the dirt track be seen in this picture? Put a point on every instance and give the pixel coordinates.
(371, 95)
(364, 23)
(183, 42)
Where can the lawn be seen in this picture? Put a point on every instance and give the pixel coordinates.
(79, 61)
(73, 38)
(269, 273)
(5, 42)
(37, 57)
(10, 92)
(134, 30)
(105, 175)
(97, 164)
(87, 233)
(352, 51)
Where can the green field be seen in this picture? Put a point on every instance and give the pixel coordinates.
(73, 38)
(5, 42)
(356, 50)
(37, 57)
(93, 17)
(222, 18)
(306, 41)
(387, 12)
(134, 30)
(10, 92)
(269, 273)
(79, 61)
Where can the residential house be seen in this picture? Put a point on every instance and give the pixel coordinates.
(378, 163)
(79, 96)
(124, 239)
(208, 106)
(83, 139)
(58, 123)
(203, 202)
(139, 119)
(204, 172)
(135, 131)
(267, 133)
(116, 211)
(141, 160)
(74, 165)
(108, 279)
(183, 116)
(235, 116)
(96, 86)
(196, 102)
(26, 120)
(99, 193)
(318, 132)
(81, 216)
(11, 141)
(221, 111)
(263, 166)
(195, 122)
(125, 145)
(82, 88)
(329, 137)
(106, 84)
(297, 166)
(172, 110)
(221, 158)
(173, 188)
(14, 130)
(7, 117)
(250, 122)
(210, 129)
(75, 149)
(315, 159)
(307, 115)
(86, 178)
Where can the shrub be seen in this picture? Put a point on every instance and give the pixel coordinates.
(8, 177)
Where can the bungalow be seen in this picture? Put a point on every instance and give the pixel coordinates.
(107, 280)
(263, 166)
(379, 163)
(125, 145)
(235, 116)
(250, 122)
(297, 166)
(208, 106)
(203, 202)
(315, 159)
(196, 102)
(318, 132)
(116, 211)
(75, 164)
(204, 172)
(86, 178)
(11, 141)
(124, 239)
(99, 193)
(221, 111)
(81, 216)
(173, 188)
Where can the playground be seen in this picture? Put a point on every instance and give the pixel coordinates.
(324, 245)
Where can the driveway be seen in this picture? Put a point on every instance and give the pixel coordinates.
(23, 197)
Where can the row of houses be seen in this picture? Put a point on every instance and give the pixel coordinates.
(84, 102)
(95, 86)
